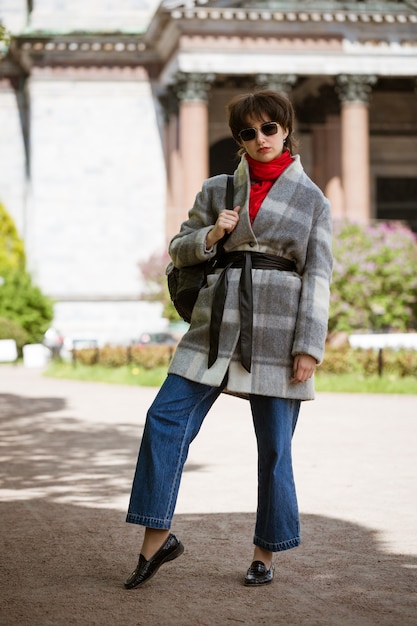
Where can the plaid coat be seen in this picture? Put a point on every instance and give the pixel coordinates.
(290, 309)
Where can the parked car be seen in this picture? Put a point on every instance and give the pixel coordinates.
(147, 339)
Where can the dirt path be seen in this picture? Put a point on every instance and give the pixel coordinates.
(68, 452)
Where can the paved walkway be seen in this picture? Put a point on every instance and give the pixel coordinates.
(68, 455)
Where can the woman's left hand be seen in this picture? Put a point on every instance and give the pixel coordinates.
(303, 368)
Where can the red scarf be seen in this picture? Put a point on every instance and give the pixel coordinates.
(263, 176)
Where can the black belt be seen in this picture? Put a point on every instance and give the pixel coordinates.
(246, 261)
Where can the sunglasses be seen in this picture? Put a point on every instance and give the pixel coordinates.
(267, 129)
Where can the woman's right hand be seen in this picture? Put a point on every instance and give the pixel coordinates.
(225, 223)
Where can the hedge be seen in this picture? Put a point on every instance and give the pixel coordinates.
(147, 357)
(341, 360)
(347, 360)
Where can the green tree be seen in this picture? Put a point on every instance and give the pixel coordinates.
(21, 301)
(5, 38)
(12, 250)
(374, 284)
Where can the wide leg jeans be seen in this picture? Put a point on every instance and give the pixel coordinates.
(173, 421)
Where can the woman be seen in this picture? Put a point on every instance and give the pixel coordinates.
(257, 330)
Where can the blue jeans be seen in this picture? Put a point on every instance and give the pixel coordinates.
(172, 423)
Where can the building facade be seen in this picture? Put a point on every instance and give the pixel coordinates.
(112, 116)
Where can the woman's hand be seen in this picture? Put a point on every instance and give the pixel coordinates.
(225, 223)
(303, 368)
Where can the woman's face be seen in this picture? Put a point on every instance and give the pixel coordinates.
(264, 147)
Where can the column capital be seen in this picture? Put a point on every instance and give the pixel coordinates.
(192, 86)
(279, 82)
(355, 87)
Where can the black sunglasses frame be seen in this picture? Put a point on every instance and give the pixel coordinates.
(253, 132)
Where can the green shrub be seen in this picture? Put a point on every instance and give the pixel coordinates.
(11, 330)
(347, 360)
(150, 357)
(86, 356)
(113, 356)
(339, 361)
(25, 304)
(402, 362)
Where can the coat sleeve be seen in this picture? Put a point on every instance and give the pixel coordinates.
(188, 247)
(313, 310)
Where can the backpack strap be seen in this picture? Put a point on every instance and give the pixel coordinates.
(229, 192)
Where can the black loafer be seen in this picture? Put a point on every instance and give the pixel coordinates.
(257, 574)
(170, 550)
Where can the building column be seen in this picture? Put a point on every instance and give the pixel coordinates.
(174, 213)
(283, 83)
(354, 93)
(327, 162)
(192, 92)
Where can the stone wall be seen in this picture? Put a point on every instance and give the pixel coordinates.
(97, 202)
(98, 195)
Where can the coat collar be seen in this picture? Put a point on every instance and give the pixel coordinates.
(243, 235)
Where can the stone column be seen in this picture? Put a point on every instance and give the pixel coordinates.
(354, 93)
(327, 162)
(318, 152)
(282, 83)
(192, 92)
(174, 212)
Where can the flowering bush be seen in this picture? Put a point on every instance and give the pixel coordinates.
(374, 283)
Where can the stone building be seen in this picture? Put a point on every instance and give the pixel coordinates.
(112, 114)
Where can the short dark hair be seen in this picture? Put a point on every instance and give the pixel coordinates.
(260, 105)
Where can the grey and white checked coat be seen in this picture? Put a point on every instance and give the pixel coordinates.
(290, 309)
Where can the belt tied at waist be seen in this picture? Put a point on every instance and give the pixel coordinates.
(246, 261)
